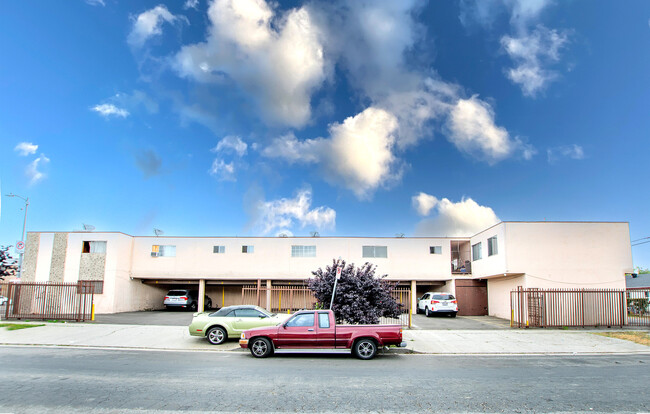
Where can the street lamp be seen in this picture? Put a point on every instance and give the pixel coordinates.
(20, 257)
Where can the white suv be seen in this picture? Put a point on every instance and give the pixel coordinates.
(438, 302)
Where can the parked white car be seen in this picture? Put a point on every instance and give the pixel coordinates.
(438, 302)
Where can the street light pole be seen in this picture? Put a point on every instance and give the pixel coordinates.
(20, 255)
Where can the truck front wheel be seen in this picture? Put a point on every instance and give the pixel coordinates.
(261, 347)
(365, 348)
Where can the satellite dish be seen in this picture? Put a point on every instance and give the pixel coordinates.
(158, 232)
(88, 227)
(314, 234)
(283, 235)
(400, 235)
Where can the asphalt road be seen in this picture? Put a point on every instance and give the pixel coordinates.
(77, 381)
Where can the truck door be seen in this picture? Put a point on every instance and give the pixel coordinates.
(298, 332)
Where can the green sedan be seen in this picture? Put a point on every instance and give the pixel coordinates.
(229, 322)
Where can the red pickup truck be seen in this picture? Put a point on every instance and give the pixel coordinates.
(317, 329)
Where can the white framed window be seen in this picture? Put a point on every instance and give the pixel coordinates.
(492, 246)
(435, 249)
(247, 249)
(218, 249)
(303, 251)
(375, 251)
(476, 251)
(163, 251)
(93, 247)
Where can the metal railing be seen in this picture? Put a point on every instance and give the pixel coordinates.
(567, 307)
(638, 306)
(56, 301)
(288, 299)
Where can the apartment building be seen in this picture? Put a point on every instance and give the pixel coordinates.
(134, 272)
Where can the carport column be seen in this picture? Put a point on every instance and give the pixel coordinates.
(414, 294)
(268, 295)
(201, 295)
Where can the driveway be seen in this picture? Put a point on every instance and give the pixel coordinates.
(475, 323)
(183, 318)
(159, 317)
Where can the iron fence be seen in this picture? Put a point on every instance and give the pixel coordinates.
(638, 306)
(288, 299)
(567, 307)
(57, 301)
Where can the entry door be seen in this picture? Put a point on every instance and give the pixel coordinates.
(472, 297)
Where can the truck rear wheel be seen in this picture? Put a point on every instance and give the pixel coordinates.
(365, 348)
(261, 347)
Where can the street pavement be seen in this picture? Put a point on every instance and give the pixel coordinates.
(443, 342)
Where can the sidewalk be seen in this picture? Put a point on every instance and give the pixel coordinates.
(442, 342)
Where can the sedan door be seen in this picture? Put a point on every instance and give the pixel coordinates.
(298, 332)
(247, 319)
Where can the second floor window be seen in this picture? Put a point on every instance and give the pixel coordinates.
(93, 247)
(476, 251)
(163, 251)
(303, 251)
(492, 246)
(247, 249)
(435, 249)
(218, 249)
(375, 251)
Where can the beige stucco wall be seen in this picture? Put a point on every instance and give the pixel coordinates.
(569, 255)
(57, 265)
(44, 259)
(499, 294)
(490, 265)
(32, 251)
(407, 258)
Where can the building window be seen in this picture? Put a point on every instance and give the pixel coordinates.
(247, 249)
(218, 249)
(93, 247)
(85, 286)
(303, 251)
(375, 251)
(476, 251)
(435, 249)
(492, 246)
(163, 251)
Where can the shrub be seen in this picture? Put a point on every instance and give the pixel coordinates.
(360, 298)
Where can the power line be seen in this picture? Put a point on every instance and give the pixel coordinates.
(642, 238)
(636, 244)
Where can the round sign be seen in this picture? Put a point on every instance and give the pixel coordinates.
(20, 246)
(338, 272)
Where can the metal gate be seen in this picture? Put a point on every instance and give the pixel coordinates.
(567, 307)
(60, 301)
(638, 306)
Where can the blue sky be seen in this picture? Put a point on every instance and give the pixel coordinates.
(368, 118)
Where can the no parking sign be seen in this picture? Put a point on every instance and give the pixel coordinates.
(20, 246)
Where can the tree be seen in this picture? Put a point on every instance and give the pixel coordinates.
(8, 266)
(360, 296)
(642, 271)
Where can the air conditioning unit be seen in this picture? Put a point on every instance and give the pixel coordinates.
(155, 254)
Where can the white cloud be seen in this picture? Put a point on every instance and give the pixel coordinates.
(276, 59)
(286, 213)
(358, 154)
(574, 152)
(149, 24)
(531, 54)
(222, 171)
(464, 218)
(231, 143)
(191, 4)
(96, 2)
(473, 131)
(26, 148)
(108, 110)
(32, 171)
(424, 203)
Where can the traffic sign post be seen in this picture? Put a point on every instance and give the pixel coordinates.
(338, 276)
(20, 247)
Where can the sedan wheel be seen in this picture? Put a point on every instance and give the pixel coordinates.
(426, 310)
(217, 335)
(261, 347)
(365, 349)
